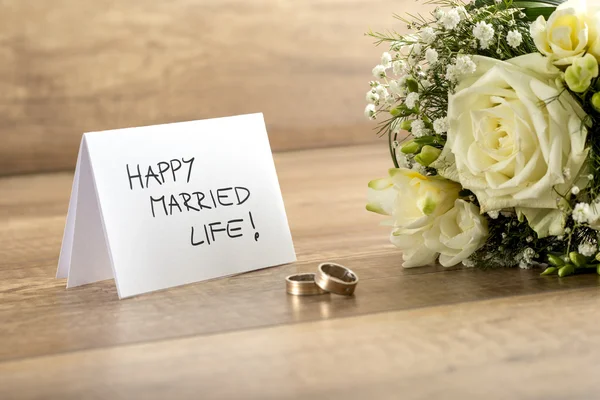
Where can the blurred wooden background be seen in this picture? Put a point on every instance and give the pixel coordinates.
(73, 66)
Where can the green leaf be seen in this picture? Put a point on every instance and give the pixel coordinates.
(533, 13)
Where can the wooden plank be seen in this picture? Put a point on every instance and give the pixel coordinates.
(543, 346)
(40, 317)
(73, 66)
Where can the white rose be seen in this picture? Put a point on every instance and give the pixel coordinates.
(512, 133)
(457, 234)
(413, 201)
(571, 30)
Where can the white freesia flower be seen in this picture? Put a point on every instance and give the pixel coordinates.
(509, 145)
(414, 201)
(457, 234)
(571, 30)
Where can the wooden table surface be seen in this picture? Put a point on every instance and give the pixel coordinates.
(425, 333)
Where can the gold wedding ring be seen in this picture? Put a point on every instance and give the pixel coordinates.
(336, 278)
(302, 285)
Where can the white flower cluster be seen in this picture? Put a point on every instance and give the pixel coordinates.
(484, 32)
(464, 65)
(585, 213)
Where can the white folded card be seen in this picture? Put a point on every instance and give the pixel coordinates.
(165, 205)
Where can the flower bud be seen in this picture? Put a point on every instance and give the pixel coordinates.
(577, 259)
(427, 155)
(410, 147)
(412, 85)
(549, 271)
(405, 125)
(580, 74)
(566, 270)
(596, 101)
(555, 260)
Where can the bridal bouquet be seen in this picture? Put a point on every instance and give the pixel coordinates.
(492, 110)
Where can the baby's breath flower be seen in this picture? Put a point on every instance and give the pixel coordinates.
(398, 67)
(493, 214)
(587, 249)
(386, 60)
(450, 19)
(485, 33)
(428, 35)
(372, 97)
(440, 126)
(463, 65)
(416, 49)
(370, 111)
(396, 46)
(418, 128)
(412, 99)
(514, 38)
(582, 213)
(431, 55)
(379, 71)
(575, 190)
(397, 88)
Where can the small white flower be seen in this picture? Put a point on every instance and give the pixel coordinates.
(464, 65)
(493, 214)
(575, 190)
(372, 97)
(398, 67)
(440, 126)
(438, 13)
(485, 33)
(397, 88)
(428, 35)
(370, 111)
(395, 46)
(418, 128)
(582, 213)
(431, 55)
(450, 19)
(379, 71)
(386, 59)
(587, 249)
(498, 1)
(411, 100)
(416, 49)
(514, 39)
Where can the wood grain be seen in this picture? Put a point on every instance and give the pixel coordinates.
(74, 66)
(427, 332)
(544, 346)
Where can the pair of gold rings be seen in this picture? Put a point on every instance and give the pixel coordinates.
(330, 277)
